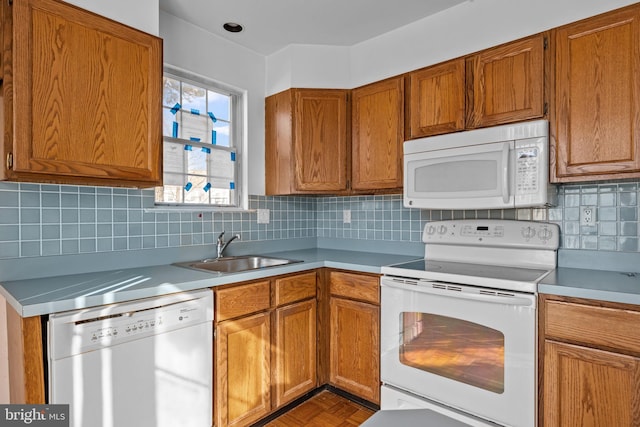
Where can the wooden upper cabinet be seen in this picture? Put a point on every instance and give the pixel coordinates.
(596, 129)
(82, 97)
(436, 99)
(377, 122)
(306, 141)
(500, 85)
(506, 83)
(320, 142)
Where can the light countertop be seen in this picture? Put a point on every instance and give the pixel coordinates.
(612, 286)
(33, 297)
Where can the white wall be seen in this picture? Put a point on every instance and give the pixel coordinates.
(297, 65)
(140, 14)
(193, 49)
(463, 29)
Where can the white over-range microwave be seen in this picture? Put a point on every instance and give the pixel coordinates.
(493, 168)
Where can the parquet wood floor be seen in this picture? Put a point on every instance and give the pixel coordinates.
(326, 409)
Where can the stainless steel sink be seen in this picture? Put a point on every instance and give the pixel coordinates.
(236, 264)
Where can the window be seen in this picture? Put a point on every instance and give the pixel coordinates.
(202, 134)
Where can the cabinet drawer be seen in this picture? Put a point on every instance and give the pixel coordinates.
(598, 326)
(355, 286)
(241, 300)
(295, 288)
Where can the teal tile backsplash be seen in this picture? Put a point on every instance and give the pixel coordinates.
(43, 220)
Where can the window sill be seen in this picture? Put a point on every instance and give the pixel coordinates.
(170, 209)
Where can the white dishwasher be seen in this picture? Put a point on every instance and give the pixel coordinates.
(143, 363)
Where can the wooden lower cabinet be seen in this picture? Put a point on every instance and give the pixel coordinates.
(355, 347)
(354, 334)
(243, 370)
(591, 363)
(590, 387)
(265, 347)
(294, 354)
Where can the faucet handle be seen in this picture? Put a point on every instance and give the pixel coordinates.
(220, 237)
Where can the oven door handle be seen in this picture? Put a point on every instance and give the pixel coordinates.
(425, 287)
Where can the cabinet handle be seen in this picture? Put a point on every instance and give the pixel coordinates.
(10, 161)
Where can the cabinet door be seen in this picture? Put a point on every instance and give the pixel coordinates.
(355, 348)
(377, 135)
(320, 139)
(294, 351)
(507, 83)
(86, 98)
(243, 373)
(597, 123)
(278, 144)
(587, 387)
(436, 99)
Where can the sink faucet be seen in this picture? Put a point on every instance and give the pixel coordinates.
(222, 245)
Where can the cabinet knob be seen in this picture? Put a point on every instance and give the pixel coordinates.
(9, 161)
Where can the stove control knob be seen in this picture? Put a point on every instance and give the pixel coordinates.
(431, 230)
(528, 232)
(442, 229)
(545, 234)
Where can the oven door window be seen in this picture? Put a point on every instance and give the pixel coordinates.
(453, 348)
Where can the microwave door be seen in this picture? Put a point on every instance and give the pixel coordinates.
(472, 177)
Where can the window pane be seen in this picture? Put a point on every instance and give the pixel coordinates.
(196, 161)
(173, 158)
(194, 97)
(170, 92)
(169, 193)
(195, 126)
(453, 348)
(222, 130)
(167, 121)
(196, 192)
(222, 165)
(219, 105)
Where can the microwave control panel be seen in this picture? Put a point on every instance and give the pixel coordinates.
(531, 168)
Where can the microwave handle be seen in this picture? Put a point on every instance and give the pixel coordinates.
(505, 172)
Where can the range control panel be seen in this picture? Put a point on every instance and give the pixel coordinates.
(503, 233)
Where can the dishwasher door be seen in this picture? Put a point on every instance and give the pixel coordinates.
(145, 363)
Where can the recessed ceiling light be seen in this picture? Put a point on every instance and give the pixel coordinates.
(232, 27)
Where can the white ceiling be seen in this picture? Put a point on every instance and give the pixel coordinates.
(270, 25)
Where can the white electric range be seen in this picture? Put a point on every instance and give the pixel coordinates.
(458, 327)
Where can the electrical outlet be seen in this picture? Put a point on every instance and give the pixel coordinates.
(588, 215)
(263, 216)
(346, 216)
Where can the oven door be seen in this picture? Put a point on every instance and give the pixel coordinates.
(467, 347)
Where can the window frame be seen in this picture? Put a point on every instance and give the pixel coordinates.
(238, 134)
